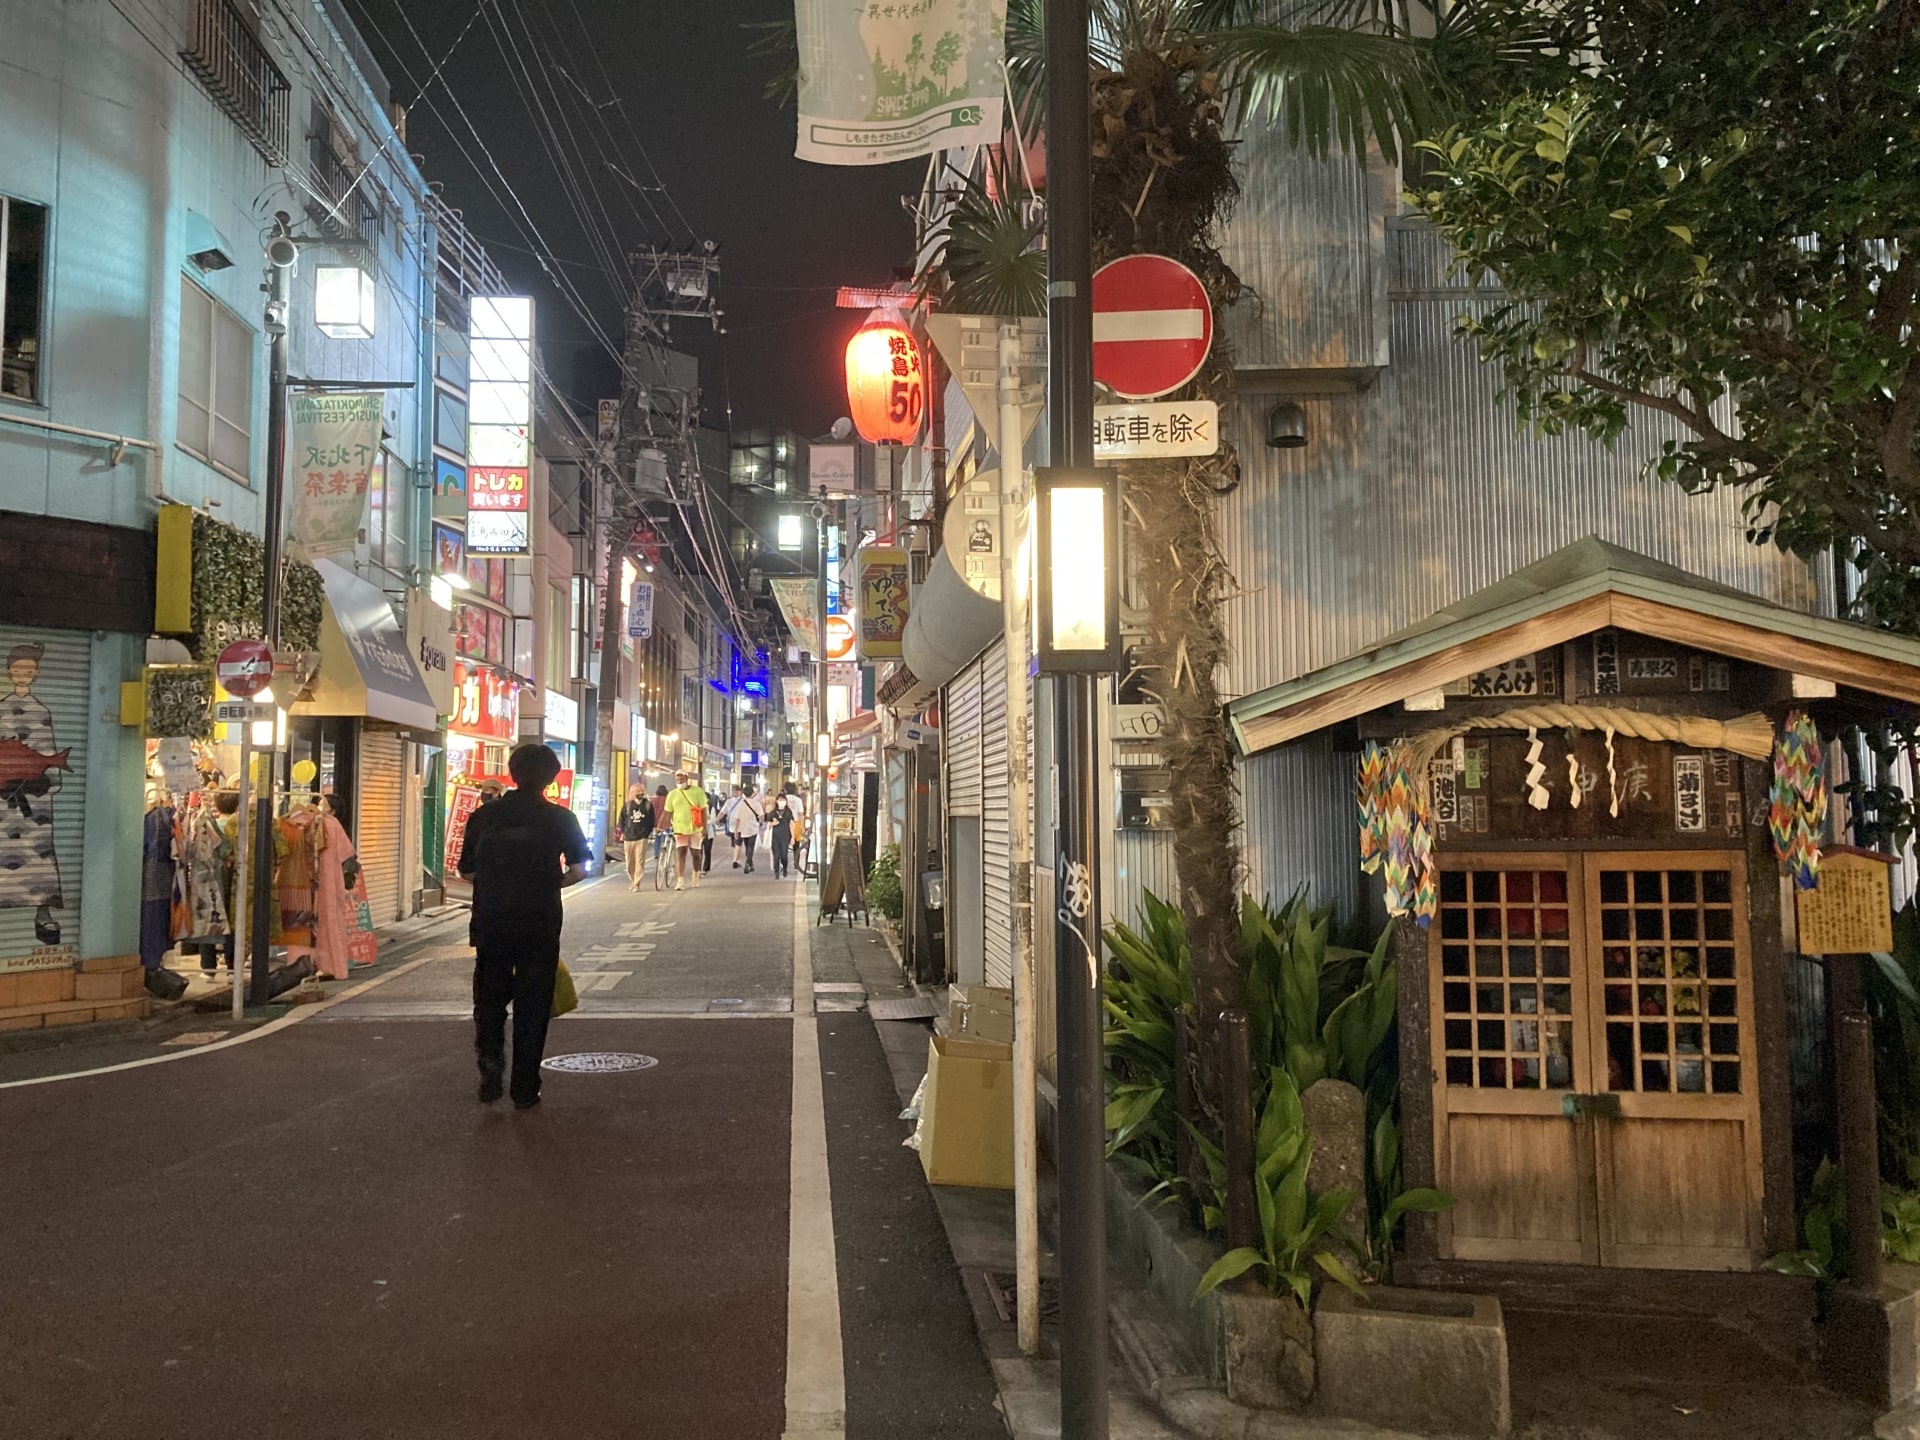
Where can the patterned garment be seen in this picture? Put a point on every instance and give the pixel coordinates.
(201, 847)
(298, 883)
(29, 869)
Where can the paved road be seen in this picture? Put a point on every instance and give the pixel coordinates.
(319, 1232)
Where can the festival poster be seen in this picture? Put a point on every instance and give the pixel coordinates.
(333, 445)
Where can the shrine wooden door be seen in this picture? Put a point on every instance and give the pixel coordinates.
(1591, 1040)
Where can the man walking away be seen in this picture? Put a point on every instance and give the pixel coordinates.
(636, 825)
(687, 814)
(780, 835)
(731, 804)
(747, 820)
(520, 852)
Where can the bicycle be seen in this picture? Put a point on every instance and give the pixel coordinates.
(662, 865)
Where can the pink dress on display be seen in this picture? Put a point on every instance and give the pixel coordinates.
(335, 909)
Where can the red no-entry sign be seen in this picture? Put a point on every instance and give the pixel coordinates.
(1152, 326)
(245, 668)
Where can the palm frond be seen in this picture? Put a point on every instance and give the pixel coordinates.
(779, 42)
(1327, 85)
(985, 258)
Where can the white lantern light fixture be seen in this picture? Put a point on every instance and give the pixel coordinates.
(792, 533)
(823, 749)
(1077, 559)
(343, 302)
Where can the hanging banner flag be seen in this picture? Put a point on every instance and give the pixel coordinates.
(797, 600)
(793, 690)
(883, 603)
(640, 611)
(335, 443)
(890, 81)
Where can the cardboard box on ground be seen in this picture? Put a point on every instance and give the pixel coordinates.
(981, 1012)
(966, 1113)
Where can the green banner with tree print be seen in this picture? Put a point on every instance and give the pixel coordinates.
(886, 80)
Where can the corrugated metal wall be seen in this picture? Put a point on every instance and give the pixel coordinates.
(1407, 497)
(1307, 240)
(1422, 489)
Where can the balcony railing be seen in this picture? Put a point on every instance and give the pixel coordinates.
(223, 50)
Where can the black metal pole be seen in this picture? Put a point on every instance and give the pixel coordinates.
(281, 256)
(1080, 1061)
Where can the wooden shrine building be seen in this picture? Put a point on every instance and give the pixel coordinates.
(1596, 1021)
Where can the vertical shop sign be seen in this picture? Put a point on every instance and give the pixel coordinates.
(886, 82)
(640, 611)
(883, 603)
(499, 424)
(335, 444)
(466, 800)
(1606, 663)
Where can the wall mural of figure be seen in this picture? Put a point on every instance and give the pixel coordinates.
(31, 766)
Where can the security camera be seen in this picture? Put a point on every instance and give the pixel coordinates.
(282, 252)
(1287, 426)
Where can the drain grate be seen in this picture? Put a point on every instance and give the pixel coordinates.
(1002, 1291)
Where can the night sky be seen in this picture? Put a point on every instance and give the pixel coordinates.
(678, 70)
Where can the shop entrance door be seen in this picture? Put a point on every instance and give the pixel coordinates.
(1594, 1091)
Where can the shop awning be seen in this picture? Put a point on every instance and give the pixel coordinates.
(1587, 586)
(951, 622)
(365, 666)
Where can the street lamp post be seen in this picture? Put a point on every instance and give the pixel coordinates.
(1079, 1062)
(282, 254)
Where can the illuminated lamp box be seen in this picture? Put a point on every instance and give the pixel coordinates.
(966, 1114)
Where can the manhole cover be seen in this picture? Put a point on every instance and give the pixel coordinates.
(597, 1062)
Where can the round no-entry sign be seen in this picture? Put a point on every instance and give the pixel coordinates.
(245, 668)
(1152, 326)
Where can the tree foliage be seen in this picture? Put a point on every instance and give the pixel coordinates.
(1708, 211)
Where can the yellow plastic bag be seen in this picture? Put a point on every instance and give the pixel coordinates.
(565, 997)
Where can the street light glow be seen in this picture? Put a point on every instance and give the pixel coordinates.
(343, 300)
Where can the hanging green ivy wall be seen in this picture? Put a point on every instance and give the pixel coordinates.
(179, 702)
(227, 565)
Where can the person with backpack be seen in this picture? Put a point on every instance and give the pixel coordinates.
(636, 825)
(748, 818)
(727, 807)
(780, 835)
(520, 852)
(686, 812)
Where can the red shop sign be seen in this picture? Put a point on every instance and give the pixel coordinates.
(491, 488)
(484, 705)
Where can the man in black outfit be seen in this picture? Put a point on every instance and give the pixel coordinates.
(520, 852)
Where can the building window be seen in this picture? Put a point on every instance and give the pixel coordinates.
(389, 493)
(450, 422)
(23, 285)
(216, 383)
(224, 49)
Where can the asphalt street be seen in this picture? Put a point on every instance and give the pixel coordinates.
(319, 1231)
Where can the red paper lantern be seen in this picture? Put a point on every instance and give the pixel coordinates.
(886, 383)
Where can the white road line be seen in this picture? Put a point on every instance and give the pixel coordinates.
(295, 1015)
(816, 1369)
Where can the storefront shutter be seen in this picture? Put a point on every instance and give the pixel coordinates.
(378, 821)
(49, 720)
(961, 741)
(996, 841)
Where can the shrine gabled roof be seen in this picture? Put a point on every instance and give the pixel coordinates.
(1587, 586)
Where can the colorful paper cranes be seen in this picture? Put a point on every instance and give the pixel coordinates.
(1798, 809)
